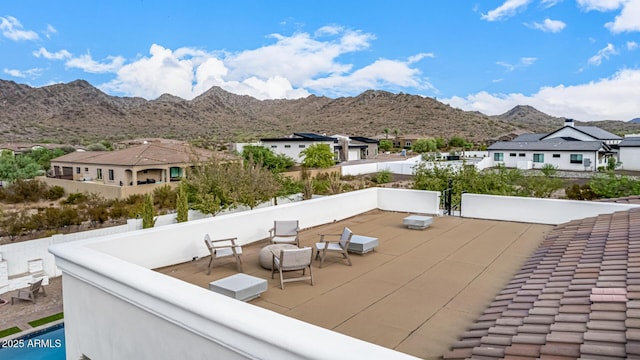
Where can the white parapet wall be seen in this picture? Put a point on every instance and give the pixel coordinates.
(534, 210)
(116, 307)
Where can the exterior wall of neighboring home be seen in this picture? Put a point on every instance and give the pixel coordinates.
(292, 148)
(106, 191)
(560, 159)
(630, 158)
(114, 174)
(569, 131)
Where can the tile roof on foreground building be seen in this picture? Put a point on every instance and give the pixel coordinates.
(577, 296)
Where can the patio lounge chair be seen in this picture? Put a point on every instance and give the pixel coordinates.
(30, 293)
(285, 232)
(223, 248)
(292, 260)
(341, 246)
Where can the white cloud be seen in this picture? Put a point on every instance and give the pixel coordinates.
(632, 45)
(585, 102)
(600, 5)
(12, 29)
(549, 25)
(289, 68)
(87, 64)
(549, 3)
(628, 19)
(522, 63)
(30, 73)
(58, 55)
(381, 74)
(507, 9)
(50, 30)
(603, 53)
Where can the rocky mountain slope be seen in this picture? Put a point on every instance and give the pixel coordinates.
(77, 112)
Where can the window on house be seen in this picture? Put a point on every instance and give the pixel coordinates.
(78, 170)
(111, 176)
(521, 155)
(538, 158)
(575, 158)
(99, 174)
(301, 146)
(274, 146)
(86, 170)
(407, 144)
(512, 154)
(498, 156)
(556, 155)
(287, 146)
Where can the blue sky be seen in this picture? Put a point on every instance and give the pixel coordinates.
(577, 59)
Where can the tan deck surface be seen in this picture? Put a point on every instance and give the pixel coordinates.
(417, 293)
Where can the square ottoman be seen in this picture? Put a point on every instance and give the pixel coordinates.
(417, 222)
(239, 286)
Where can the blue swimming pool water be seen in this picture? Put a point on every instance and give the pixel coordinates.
(47, 344)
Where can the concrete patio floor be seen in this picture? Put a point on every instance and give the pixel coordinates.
(416, 293)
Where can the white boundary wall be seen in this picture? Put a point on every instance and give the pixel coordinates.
(112, 299)
(534, 210)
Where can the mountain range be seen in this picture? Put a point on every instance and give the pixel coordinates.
(77, 112)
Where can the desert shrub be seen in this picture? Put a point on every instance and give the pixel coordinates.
(577, 192)
(383, 177)
(55, 193)
(549, 169)
(75, 199)
(164, 197)
(26, 191)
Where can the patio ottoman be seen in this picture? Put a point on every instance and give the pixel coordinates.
(266, 254)
(239, 286)
(362, 244)
(417, 222)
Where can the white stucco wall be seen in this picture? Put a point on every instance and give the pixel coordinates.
(562, 163)
(534, 210)
(294, 147)
(630, 158)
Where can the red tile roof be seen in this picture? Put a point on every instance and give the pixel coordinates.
(577, 296)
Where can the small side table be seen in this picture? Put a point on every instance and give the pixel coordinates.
(362, 244)
(239, 286)
(417, 222)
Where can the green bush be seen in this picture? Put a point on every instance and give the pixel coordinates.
(26, 191)
(383, 177)
(55, 193)
(75, 199)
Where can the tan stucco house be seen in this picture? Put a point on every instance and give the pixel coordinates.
(137, 165)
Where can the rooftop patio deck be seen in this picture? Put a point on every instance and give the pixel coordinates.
(416, 293)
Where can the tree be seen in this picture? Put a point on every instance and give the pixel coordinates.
(457, 141)
(148, 212)
(253, 184)
(385, 145)
(43, 156)
(424, 145)
(15, 167)
(209, 185)
(266, 157)
(182, 203)
(386, 133)
(318, 156)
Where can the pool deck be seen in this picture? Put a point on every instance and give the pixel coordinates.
(416, 293)
(21, 312)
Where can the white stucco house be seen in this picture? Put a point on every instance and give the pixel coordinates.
(630, 153)
(345, 148)
(576, 148)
